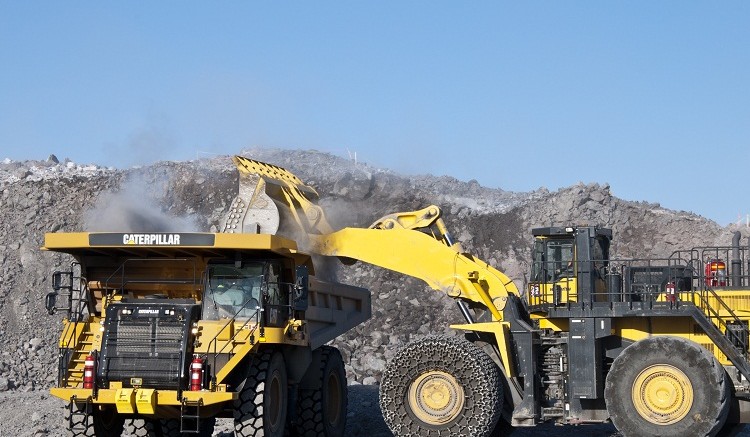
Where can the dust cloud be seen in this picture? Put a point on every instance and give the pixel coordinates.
(136, 207)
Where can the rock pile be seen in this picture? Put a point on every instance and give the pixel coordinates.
(48, 196)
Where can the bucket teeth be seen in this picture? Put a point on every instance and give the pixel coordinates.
(269, 195)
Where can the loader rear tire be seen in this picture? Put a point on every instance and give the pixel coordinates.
(441, 386)
(262, 404)
(321, 411)
(667, 386)
(94, 422)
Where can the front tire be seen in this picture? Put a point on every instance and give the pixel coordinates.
(441, 386)
(668, 387)
(262, 406)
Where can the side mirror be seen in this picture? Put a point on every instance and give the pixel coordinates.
(301, 289)
(49, 302)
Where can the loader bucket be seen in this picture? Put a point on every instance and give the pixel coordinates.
(270, 198)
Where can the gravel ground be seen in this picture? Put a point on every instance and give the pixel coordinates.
(363, 419)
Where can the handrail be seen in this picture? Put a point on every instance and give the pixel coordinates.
(214, 341)
(78, 301)
(259, 325)
(715, 315)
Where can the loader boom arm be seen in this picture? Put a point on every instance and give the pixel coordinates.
(420, 255)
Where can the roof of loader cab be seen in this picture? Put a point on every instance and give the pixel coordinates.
(165, 243)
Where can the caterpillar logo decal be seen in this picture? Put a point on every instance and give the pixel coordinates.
(154, 239)
(151, 239)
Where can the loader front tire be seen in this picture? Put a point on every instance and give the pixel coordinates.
(262, 405)
(86, 421)
(667, 386)
(441, 386)
(321, 411)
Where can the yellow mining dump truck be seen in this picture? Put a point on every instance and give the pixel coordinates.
(659, 347)
(164, 332)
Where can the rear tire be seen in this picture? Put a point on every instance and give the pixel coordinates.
(441, 386)
(669, 387)
(321, 411)
(262, 404)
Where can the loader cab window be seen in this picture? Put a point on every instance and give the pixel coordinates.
(232, 291)
(553, 260)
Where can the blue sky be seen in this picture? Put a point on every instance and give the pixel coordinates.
(650, 97)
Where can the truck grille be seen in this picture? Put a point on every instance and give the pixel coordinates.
(146, 342)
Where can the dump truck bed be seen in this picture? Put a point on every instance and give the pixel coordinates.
(334, 309)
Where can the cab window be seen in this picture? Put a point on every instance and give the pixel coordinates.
(553, 260)
(232, 291)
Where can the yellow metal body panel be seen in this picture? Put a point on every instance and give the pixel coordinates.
(501, 332)
(71, 241)
(145, 400)
(125, 400)
(162, 397)
(419, 255)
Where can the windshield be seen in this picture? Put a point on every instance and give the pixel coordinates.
(553, 260)
(233, 290)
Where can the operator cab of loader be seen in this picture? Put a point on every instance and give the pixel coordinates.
(569, 265)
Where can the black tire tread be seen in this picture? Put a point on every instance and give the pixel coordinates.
(310, 409)
(76, 422)
(674, 351)
(248, 408)
(142, 428)
(80, 424)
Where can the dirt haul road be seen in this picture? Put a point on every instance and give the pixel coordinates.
(37, 414)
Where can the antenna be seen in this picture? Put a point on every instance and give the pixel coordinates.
(352, 157)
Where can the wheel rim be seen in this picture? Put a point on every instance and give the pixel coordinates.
(662, 394)
(436, 397)
(333, 406)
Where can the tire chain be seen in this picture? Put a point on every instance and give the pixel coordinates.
(474, 370)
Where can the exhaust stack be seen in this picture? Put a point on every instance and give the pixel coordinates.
(736, 260)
